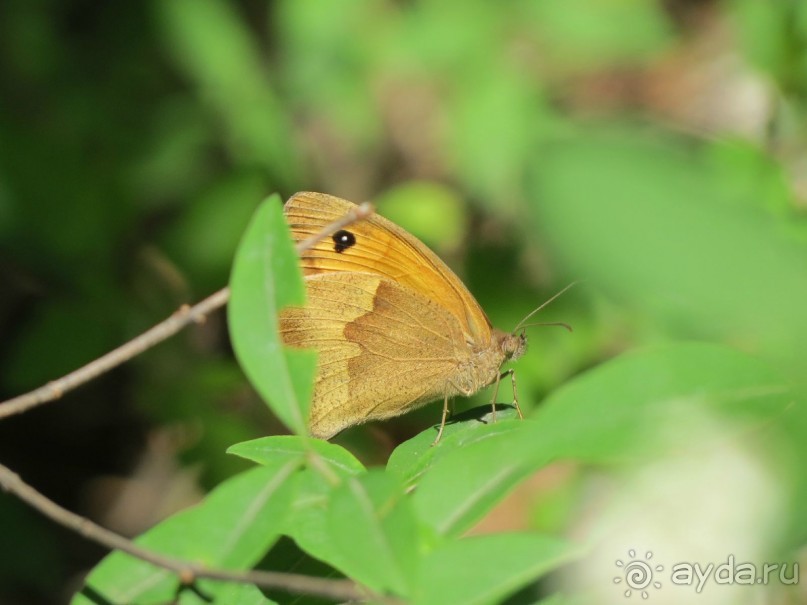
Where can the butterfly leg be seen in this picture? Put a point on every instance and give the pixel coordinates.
(512, 373)
(495, 394)
(446, 406)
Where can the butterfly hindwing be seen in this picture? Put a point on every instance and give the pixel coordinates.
(383, 348)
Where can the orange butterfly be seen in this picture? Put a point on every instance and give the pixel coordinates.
(394, 327)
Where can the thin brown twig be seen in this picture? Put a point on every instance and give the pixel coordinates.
(186, 571)
(153, 336)
(184, 316)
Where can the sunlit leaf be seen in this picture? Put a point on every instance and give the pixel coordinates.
(266, 278)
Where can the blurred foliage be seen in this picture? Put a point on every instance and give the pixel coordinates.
(653, 150)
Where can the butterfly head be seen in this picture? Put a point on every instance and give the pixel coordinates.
(513, 345)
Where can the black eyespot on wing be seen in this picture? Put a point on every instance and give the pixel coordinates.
(342, 240)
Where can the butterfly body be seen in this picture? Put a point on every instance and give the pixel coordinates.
(394, 327)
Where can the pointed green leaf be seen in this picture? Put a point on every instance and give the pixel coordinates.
(412, 458)
(270, 450)
(266, 278)
(232, 528)
(462, 486)
(374, 530)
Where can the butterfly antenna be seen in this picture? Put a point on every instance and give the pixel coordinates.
(541, 306)
(561, 324)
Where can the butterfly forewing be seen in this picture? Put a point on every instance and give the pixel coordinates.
(381, 247)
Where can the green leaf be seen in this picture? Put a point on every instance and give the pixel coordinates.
(266, 278)
(234, 594)
(374, 529)
(492, 121)
(463, 485)
(270, 450)
(592, 33)
(613, 413)
(485, 569)
(215, 48)
(412, 458)
(764, 33)
(432, 212)
(308, 522)
(232, 528)
(618, 410)
(657, 227)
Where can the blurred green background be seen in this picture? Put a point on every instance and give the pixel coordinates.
(655, 151)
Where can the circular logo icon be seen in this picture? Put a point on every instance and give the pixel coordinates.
(637, 573)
